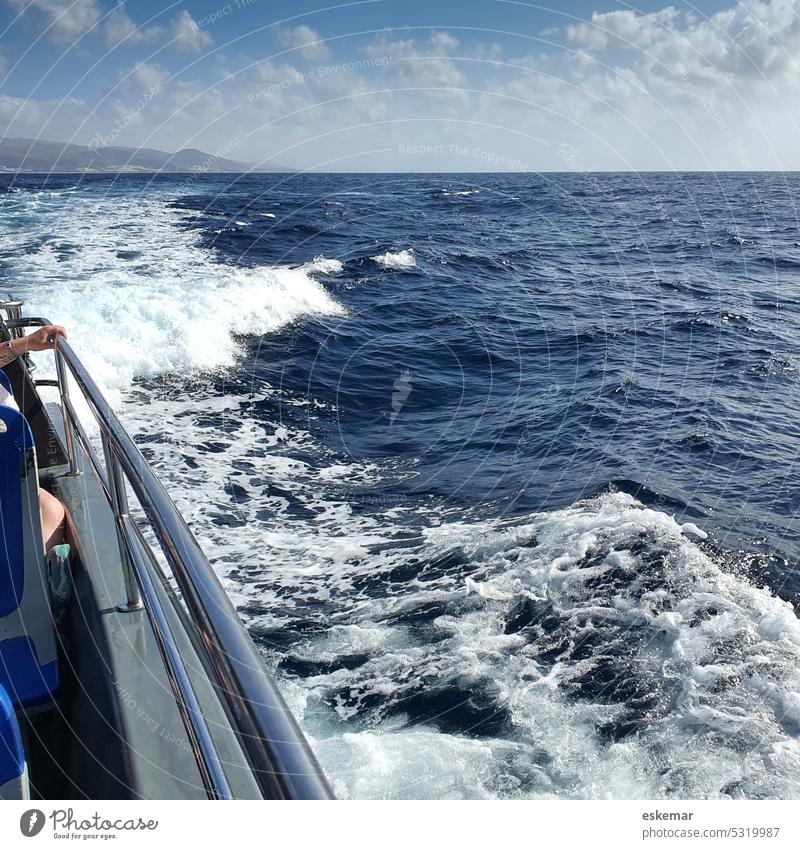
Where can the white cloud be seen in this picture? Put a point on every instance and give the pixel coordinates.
(622, 29)
(144, 77)
(187, 34)
(306, 42)
(423, 65)
(119, 27)
(668, 90)
(623, 90)
(443, 42)
(51, 119)
(753, 38)
(61, 21)
(64, 22)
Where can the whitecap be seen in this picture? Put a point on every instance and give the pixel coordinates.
(321, 265)
(397, 260)
(179, 309)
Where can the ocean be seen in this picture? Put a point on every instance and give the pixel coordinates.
(500, 470)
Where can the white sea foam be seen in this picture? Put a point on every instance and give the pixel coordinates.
(400, 259)
(636, 628)
(691, 530)
(648, 671)
(321, 265)
(650, 635)
(138, 292)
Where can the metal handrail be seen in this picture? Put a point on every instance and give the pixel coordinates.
(281, 761)
(200, 739)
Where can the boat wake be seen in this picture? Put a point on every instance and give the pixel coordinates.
(590, 652)
(596, 651)
(140, 295)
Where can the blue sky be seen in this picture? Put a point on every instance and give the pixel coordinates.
(412, 85)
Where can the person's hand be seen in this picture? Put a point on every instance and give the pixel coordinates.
(44, 339)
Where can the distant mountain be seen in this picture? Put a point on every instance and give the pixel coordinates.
(36, 155)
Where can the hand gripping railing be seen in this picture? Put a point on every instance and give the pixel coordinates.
(279, 756)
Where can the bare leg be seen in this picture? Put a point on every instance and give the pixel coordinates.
(53, 515)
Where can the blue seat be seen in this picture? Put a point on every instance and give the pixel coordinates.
(13, 773)
(28, 653)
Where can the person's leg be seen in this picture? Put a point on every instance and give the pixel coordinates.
(53, 516)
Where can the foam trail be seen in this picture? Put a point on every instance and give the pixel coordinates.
(321, 265)
(591, 650)
(578, 653)
(142, 297)
(394, 261)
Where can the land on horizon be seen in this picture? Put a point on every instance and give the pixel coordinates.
(23, 155)
(39, 156)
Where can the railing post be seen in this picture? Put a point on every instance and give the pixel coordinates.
(119, 506)
(13, 309)
(66, 406)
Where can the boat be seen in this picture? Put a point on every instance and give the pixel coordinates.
(129, 675)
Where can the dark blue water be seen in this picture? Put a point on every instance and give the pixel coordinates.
(562, 333)
(524, 379)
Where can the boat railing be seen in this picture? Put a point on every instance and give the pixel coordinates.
(278, 754)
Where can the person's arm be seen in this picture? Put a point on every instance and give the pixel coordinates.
(44, 339)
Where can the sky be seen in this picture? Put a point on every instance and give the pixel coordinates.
(417, 85)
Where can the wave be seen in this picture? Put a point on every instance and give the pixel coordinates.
(596, 651)
(581, 653)
(576, 653)
(400, 259)
(779, 262)
(139, 294)
(447, 193)
(321, 265)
